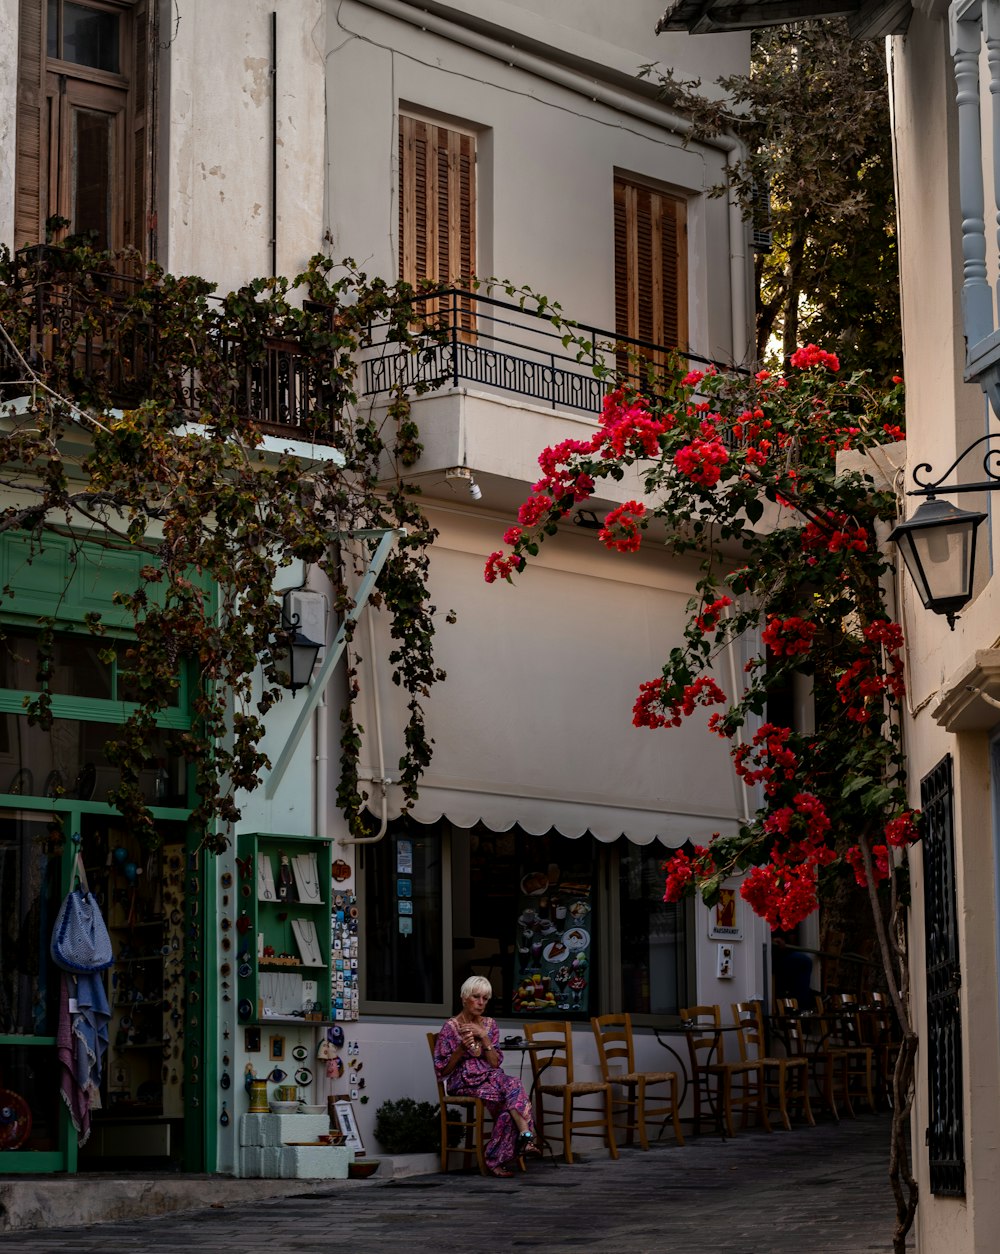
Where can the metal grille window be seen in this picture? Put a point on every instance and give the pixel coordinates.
(945, 1131)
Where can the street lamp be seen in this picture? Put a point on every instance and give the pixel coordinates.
(938, 545)
(295, 652)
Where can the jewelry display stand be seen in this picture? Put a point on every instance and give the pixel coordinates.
(287, 940)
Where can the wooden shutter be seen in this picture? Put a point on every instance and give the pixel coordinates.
(650, 267)
(140, 215)
(32, 127)
(437, 208)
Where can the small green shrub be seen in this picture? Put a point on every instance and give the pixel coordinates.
(406, 1126)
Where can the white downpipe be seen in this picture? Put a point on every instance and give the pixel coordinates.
(381, 779)
(602, 93)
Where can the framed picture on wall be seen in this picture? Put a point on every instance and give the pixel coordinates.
(347, 1124)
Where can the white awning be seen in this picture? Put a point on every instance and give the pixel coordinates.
(533, 725)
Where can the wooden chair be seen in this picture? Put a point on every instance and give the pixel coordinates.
(556, 1059)
(616, 1053)
(884, 1040)
(827, 1067)
(860, 1057)
(788, 1076)
(723, 1086)
(468, 1122)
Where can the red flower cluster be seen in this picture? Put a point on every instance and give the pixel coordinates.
(512, 535)
(788, 637)
(534, 510)
(692, 378)
(629, 428)
(810, 355)
(701, 460)
(652, 710)
(864, 682)
(894, 431)
(767, 759)
(782, 894)
(880, 863)
(680, 873)
(902, 830)
(500, 567)
(836, 537)
(709, 617)
(621, 529)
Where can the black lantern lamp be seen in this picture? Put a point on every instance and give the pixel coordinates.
(296, 653)
(938, 545)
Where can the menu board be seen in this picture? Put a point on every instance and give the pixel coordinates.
(552, 945)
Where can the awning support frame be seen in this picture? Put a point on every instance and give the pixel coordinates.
(388, 538)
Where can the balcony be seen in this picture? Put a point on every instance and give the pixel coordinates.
(107, 339)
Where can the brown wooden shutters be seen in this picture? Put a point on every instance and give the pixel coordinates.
(437, 207)
(650, 265)
(32, 128)
(85, 108)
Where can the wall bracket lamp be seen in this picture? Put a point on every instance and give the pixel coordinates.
(938, 543)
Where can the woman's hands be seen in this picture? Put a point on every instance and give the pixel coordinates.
(475, 1038)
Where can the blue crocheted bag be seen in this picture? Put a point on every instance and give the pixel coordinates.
(80, 940)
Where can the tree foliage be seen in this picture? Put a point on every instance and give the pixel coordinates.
(743, 472)
(814, 116)
(161, 383)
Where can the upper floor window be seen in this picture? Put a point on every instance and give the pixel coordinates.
(437, 206)
(85, 70)
(650, 265)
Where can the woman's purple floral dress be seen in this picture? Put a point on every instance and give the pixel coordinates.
(500, 1092)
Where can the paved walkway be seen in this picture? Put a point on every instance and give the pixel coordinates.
(816, 1190)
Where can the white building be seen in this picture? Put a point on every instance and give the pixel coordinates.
(439, 140)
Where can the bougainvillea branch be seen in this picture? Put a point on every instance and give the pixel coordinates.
(166, 388)
(743, 472)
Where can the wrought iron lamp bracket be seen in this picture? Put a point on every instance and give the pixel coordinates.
(938, 487)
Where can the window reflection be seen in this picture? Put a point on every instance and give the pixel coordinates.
(84, 36)
(70, 759)
(76, 668)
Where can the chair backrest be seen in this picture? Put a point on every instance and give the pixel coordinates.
(553, 1064)
(850, 1018)
(705, 1041)
(615, 1052)
(750, 1036)
(791, 1025)
(442, 1085)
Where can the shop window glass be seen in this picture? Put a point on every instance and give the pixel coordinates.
(652, 935)
(404, 900)
(526, 920)
(30, 848)
(81, 665)
(71, 759)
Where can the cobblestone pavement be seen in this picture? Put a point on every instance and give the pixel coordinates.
(816, 1190)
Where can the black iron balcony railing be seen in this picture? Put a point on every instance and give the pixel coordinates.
(504, 347)
(107, 335)
(110, 345)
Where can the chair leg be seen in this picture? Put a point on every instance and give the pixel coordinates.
(609, 1127)
(638, 1114)
(480, 1138)
(783, 1096)
(762, 1099)
(674, 1113)
(803, 1073)
(567, 1127)
(726, 1100)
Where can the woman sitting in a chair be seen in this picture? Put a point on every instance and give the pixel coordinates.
(468, 1056)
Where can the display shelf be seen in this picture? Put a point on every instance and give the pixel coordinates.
(286, 913)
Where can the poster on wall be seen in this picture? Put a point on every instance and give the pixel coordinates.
(723, 917)
(552, 951)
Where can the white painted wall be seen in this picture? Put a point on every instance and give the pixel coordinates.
(215, 189)
(547, 158)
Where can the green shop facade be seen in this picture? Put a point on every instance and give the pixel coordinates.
(54, 783)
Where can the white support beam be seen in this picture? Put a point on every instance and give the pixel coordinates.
(386, 544)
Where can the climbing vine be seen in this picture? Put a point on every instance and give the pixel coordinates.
(134, 406)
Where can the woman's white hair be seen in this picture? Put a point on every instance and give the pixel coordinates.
(476, 984)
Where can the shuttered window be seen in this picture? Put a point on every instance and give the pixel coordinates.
(650, 266)
(437, 208)
(84, 114)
